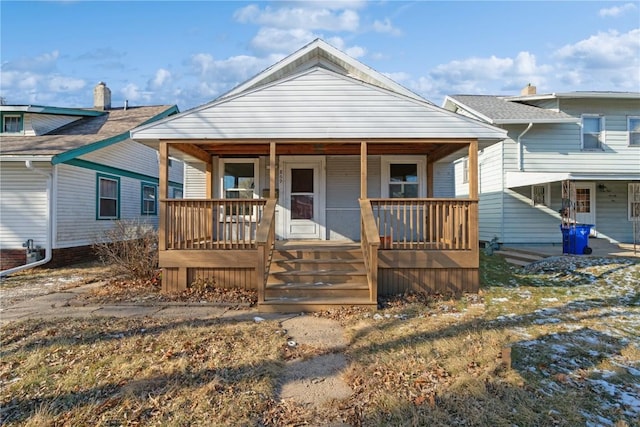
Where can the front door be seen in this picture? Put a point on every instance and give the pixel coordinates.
(586, 203)
(303, 197)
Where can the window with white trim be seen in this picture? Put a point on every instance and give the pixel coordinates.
(633, 124)
(108, 195)
(634, 201)
(12, 123)
(540, 194)
(239, 180)
(592, 132)
(149, 199)
(403, 177)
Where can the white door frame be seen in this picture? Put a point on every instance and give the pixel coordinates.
(588, 218)
(284, 200)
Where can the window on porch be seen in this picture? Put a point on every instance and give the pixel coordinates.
(403, 178)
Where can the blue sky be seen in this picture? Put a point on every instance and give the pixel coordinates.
(188, 53)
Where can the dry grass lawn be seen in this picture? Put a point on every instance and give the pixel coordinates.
(557, 344)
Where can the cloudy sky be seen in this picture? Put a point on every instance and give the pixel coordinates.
(188, 53)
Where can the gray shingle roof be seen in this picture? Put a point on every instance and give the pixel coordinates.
(80, 133)
(500, 111)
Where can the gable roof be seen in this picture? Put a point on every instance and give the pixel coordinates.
(497, 110)
(90, 133)
(317, 103)
(319, 53)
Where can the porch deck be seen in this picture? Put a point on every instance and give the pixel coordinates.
(427, 245)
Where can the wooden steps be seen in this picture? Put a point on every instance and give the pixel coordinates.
(518, 256)
(308, 277)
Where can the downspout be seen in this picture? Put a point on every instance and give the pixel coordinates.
(520, 159)
(49, 218)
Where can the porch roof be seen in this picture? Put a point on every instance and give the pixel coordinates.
(521, 179)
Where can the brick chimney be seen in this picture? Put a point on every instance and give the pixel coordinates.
(528, 90)
(101, 97)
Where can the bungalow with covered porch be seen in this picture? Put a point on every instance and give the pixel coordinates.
(320, 182)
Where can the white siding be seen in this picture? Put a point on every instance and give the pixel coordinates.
(343, 192)
(135, 157)
(23, 205)
(195, 185)
(318, 104)
(76, 206)
(444, 180)
(491, 197)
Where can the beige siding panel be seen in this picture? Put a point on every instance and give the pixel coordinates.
(23, 205)
(318, 104)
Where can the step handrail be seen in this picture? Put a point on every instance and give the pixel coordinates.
(369, 242)
(265, 242)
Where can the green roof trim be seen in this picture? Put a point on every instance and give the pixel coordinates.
(70, 111)
(86, 164)
(98, 145)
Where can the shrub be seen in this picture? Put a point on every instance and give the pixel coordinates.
(130, 247)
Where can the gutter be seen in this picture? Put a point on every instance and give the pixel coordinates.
(49, 245)
(520, 159)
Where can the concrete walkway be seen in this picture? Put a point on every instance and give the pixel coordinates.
(600, 247)
(64, 304)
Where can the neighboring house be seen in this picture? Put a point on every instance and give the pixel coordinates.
(324, 155)
(577, 153)
(66, 173)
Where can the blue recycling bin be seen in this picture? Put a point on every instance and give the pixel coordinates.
(575, 239)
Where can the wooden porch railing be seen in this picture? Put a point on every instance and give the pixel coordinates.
(212, 223)
(370, 242)
(439, 224)
(265, 241)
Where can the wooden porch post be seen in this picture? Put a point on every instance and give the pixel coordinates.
(429, 178)
(473, 169)
(209, 178)
(164, 194)
(473, 194)
(272, 170)
(363, 170)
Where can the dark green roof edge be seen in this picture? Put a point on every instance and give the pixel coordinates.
(89, 148)
(66, 111)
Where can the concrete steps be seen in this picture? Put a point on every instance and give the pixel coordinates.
(308, 277)
(519, 257)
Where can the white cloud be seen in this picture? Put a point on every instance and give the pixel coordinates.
(42, 63)
(308, 16)
(356, 51)
(133, 93)
(283, 41)
(617, 10)
(386, 27)
(603, 50)
(605, 61)
(161, 78)
(58, 83)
